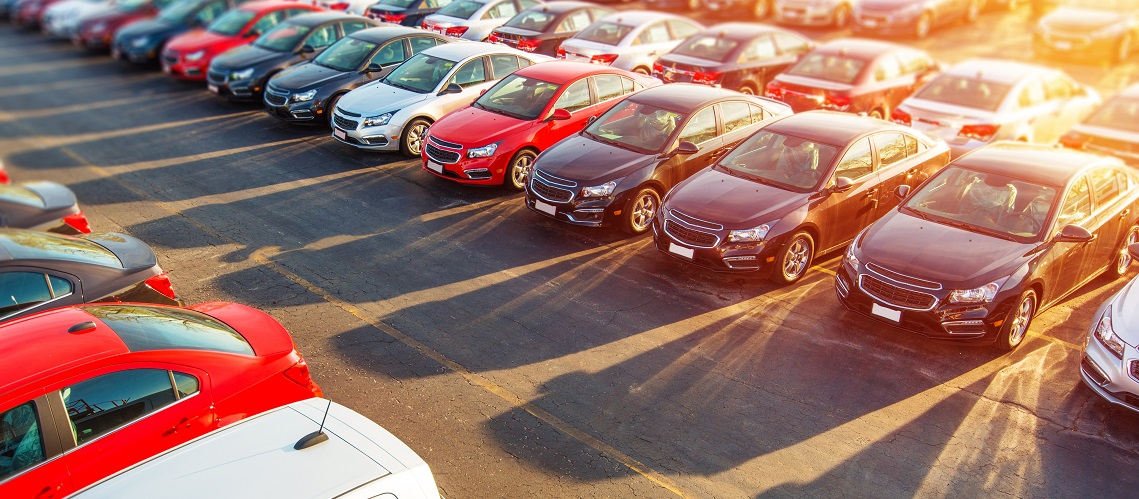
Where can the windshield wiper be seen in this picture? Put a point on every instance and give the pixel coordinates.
(400, 85)
(609, 141)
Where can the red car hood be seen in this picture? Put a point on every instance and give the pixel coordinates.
(201, 39)
(476, 128)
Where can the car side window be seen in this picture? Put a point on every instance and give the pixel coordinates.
(610, 86)
(354, 26)
(390, 53)
(102, 404)
(681, 30)
(575, 22)
(22, 290)
(323, 37)
(1077, 204)
(503, 65)
(913, 62)
(504, 10)
(185, 384)
(21, 440)
(1105, 186)
(1058, 87)
(267, 21)
(913, 145)
(1032, 94)
(701, 128)
(421, 43)
(209, 13)
(791, 44)
(887, 68)
(736, 115)
(759, 49)
(471, 73)
(574, 97)
(655, 33)
(857, 162)
(526, 4)
(891, 147)
(758, 114)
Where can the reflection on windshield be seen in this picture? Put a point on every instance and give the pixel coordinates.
(830, 67)
(968, 92)
(1118, 113)
(987, 203)
(713, 48)
(462, 9)
(782, 160)
(22, 244)
(421, 74)
(534, 20)
(179, 11)
(346, 54)
(638, 127)
(231, 22)
(518, 97)
(282, 38)
(607, 33)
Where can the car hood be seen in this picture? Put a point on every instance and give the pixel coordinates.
(931, 251)
(197, 40)
(476, 127)
(1125, 321)
(248, 55)
(1081, 20)
(55, 196)
(510, 30)
(376, 98)
(589, 162)
(715, 195)
(808, 82)
(308, 75)
(150, 27)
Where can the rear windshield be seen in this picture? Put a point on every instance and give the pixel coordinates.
(830, 67)
(967, 92)
(154, 328)
(534, 20)
(713, 48)
(17, 194)
(283, 37)
(28, 245)
(397, 3)
(231, 22)
(462, 9)
(179, 12)
(1118, 113)
(607, 33)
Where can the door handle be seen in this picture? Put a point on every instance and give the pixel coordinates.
(180, 425)
(1124, 214)
(48, 492)
(872, 192)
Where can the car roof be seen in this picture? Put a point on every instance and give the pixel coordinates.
(384, 33)
(317, 18)
(995, 70)
(831, 127)
(682, 97)
(271, 5)
(637, 17)
(742, 31)
(463, 50)
(858, 47)
(560, 72)
(1037, 163)
(29, 340)
(558, 7)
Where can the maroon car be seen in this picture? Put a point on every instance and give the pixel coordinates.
(855, 76)
(97, 32)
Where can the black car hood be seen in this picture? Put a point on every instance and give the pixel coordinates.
(248, 55)
(308, 75)
(712, 194)
(150, 27)
(510, 30)
(590, 162)
(1071, 19)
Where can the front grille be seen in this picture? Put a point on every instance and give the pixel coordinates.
(691, 237)
(893, 295)
(217, 77)
(550, 193)
(441, 155)
(444, 143)
(697, 222)
(344, 123)
(554, 180)
(347, 113)
(274, 97)
(902, 278)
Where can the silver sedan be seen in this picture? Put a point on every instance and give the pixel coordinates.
(1111, 360)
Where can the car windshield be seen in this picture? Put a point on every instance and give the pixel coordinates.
(967, 92)
(1115, 5)
(829, 67)
(283, 37)
(604, 32)
(179, 12)
(986, 203)
(463, 9)
(420, 74)
(231, 22)
(159, 328)
(28, 245)
(397, 3)
(638, 127)
(1119, 112)
(534, 20)
(346, 54)
(518, 97)
(713, 48)
(784, 161)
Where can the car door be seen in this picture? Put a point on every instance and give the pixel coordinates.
(1110, 218)
(386, 58)
(575, 97)
(30, 464)
(473, 76)
(843, 214)
(1076, 209)
(702, 130)
(26, 290)
(652, 42)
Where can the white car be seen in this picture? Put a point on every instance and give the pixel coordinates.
(984, 100)
(631, 40)
(358, 7)
(835, 13)
(62, 20)
(1111, 356)
(258, 457)
(393, 114)
(474, 19)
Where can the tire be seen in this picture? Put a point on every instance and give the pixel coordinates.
(519, 169)
(1123, 49)
(761, 9)
(1016, 325)
(794, 259)
(973, 11)
(411, 140)
(748, 89)
(878, 113)
(1123, 259)
(640, 211)
(330, 107)
(923, 26)
(841, 16)
(641, 70)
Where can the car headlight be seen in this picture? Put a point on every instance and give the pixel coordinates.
(850, 258)
(983, 294)
(380, 120)
(484, 151)
(244, 74)
(753, 235)
(195, 56)
(140, 42)
(1106, 334)
(304, 96)
(599, 191)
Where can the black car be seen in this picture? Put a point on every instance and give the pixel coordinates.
(142, 42)
(241, 73)
(739, 56)
(41, 270)
(309, 91)
(616, 170)
(801, 186)
(1089, 31)
(542, 28)
(405, 12)
(1111, 129)
(1000, 234)
(41, 206)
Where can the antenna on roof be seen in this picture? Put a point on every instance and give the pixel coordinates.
(315, 437)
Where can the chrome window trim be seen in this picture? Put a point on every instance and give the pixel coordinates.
(40, 304)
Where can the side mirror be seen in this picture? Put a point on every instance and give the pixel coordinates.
(590, 120)
(687, 148)
(1134, 250)
(842, 184)
(451, 88)
(373, 68)
(308, 49)
(559, 114)
(902, 191)
(252, 34)
(1076, 234)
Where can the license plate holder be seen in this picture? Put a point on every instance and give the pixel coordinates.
(340, 134)
(886, 312)
(679, 250)
(546, 208)
(435, 167)
(212, 88)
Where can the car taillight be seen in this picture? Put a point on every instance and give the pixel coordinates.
(457, 31)
(338, 6)
(561, 53)
(657, 68)
(423, 25)
(1073, 140)
(982, 132)
(529, 45)
(837, 102)
(774, 90)
(4, 178)
(493, 38)
(901, 117)
(78, 221)
(709, 78)
(603, 58)
(300, 375)
(161, 284)
(393, 18)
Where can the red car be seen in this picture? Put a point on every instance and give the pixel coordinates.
(188, 56)
(497, 138)
(88, 391)
(30, 13)
(97, 32)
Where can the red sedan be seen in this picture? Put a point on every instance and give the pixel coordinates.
(88, 391)
(97, 32)
(187, 56)
(497, 138)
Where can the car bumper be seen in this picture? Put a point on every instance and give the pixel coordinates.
(751, 258)
(137, 55)
(803, 17)
(375, 138)
(186, 71)
(1073, 47)
(1106, 374)
(94, 41)
(470, 171)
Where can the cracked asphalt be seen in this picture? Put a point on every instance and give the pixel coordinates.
(524, 358)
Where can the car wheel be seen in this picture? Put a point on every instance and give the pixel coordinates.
(519, 169)
(1123, 50)
(841, 16)
(330, 108)
(1123, 260)
(1016, 324)
(878, 113)
(794, 259)
(974, 11)
(411, 143)
(641, 70)
(923, 25)
(640, 210)
(761, 9)
(748, 89)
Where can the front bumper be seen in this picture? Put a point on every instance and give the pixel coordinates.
(884, 24)
(1064, 46)
(93, 40)
(1114, 379)
(561, 202)
(347, 129)
(803, 16)
(464, 170)
(147, 54)
(174, 65)
(220, 84)
(708, 249)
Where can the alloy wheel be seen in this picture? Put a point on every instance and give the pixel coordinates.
(520, 170)
(1124, 260)
(798, 256)
(1021, 319)
(643, 211)
(415, 139)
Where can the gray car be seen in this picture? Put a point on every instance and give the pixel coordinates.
(41, 206)
(1111, 349)
(631, 40)
(474, 19)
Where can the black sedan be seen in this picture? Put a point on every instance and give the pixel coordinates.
(998, 235)
(739, 56)
(241, 73)
(542, 28)
(309, 91)
(141, 42)
(616, 170)
(1089, 31)
(41, 206)
(41, 270)
(1111, 129)
(801, 186)
(405, 12)
(912, 17)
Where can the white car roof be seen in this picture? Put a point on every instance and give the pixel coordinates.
(996, 70)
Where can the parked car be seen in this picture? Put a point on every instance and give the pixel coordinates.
(799, 187)
(1110, 346)
(42, 270)
(984, 100)
(393, 114)
(4, 177)
(98, 32)
(1111, 129)
(405, 12)
(142, 42)
(663, 5)
(309, 91)
(243, 72)
(474, 19)
(739, 56)
(855, 76)
(44, 206)
(357, 7)
(1046, 220)
(631, 40)
(1089, 31)
(358, 459)
(541, 29)
(616, 171)
(62, 19)
(29, 12)
(88, 391)
(495, 140)
(833, 13)
(912, 17)
(750, 9)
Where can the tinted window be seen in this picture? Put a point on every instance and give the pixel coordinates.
(533, 20)
(610, 86)
(758, 50)
(758, 113)
(422, 73)
(268, 21)
(830, 67)
(682, 30)
(210, 12)
(574, 97)
(470, 73)
(887, 68)
(504, 10)
(22, 290)
(154, 328)
(701, 128)
(421, 43)
(390, 54)
(575, 22)
(44, 245)
(463, 9)
(892, 148)
(791, 44)
(322, 38)
(635, 126)
(503, 65)
(736, 115)
(231, 23)
(604, 32)
(101, 404)
(984, 202)
(967, 92)
(282, 38)
(786, 161)
(518, 97)
(434, 4)
(346, 55)
(654, 33)
(185, 384)
(857, 162)
(1105, 185)
(354, 26)
(1118, 113)
(1077, 204)
(713, 48)
(21, 440)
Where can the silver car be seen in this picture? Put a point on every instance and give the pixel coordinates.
(62, 20)
(630, 40)
(474, 19)
(1111, 358)
(813, 12)
(984, 100)
(393, 114)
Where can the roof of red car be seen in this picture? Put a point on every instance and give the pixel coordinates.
(1037, 163)
(39, 343)
(560, 72)
(274, 5)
